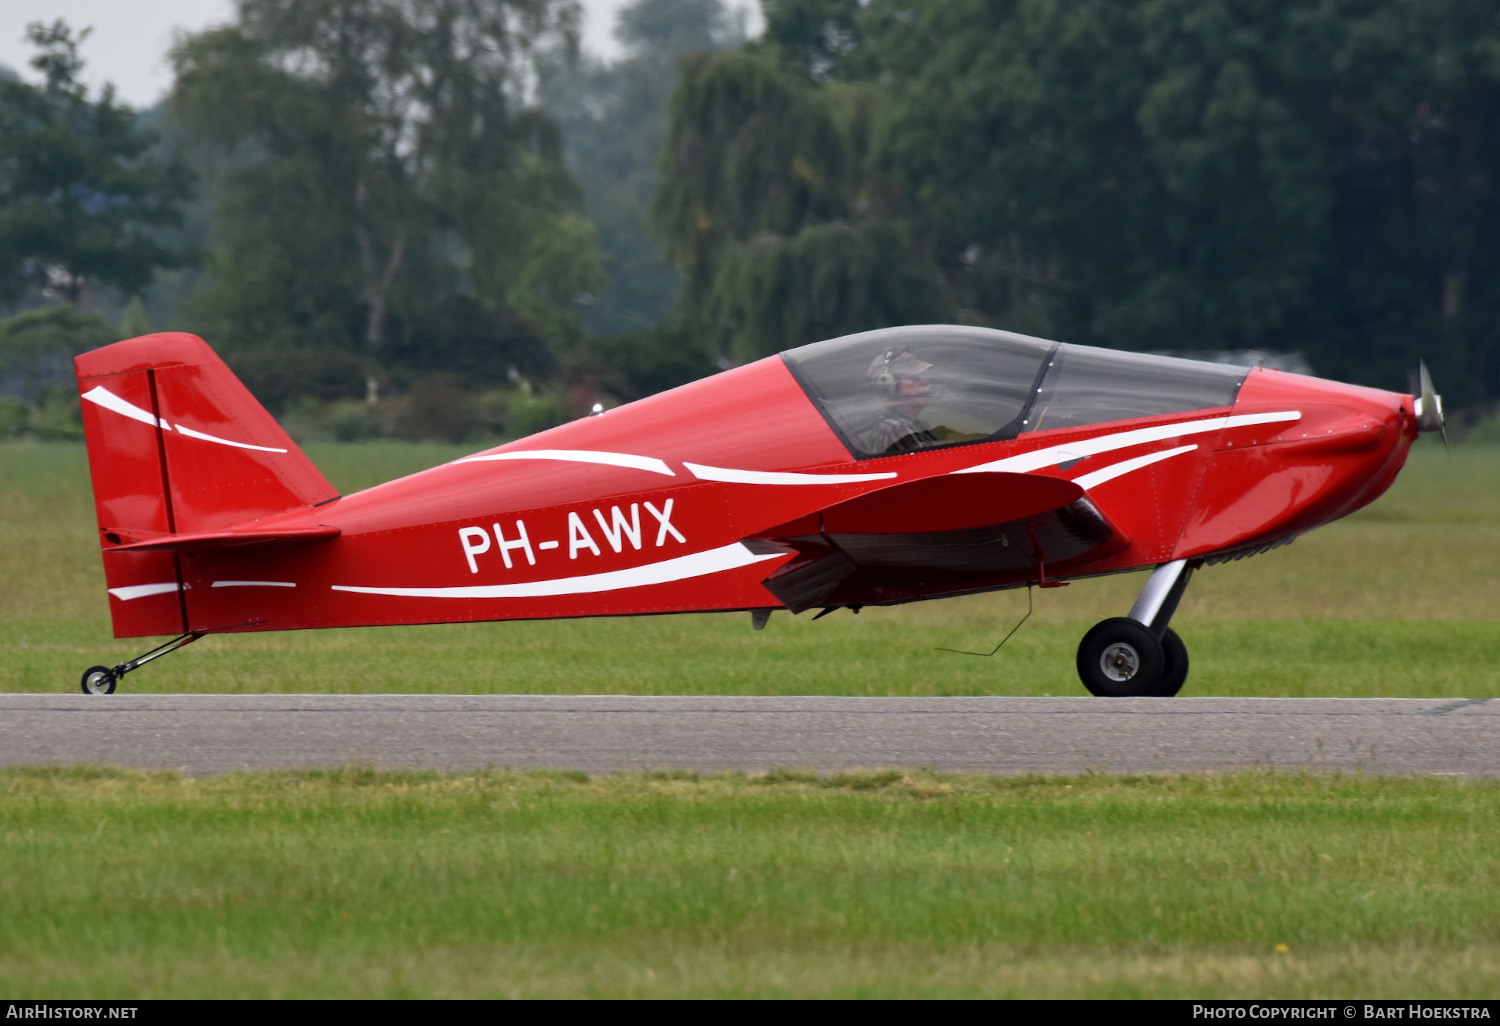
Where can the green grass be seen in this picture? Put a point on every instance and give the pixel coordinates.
(360, 883)
(1401, 599)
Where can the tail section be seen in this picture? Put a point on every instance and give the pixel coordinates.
(177, 445)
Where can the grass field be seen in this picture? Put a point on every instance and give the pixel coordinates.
(1402, 599)
(876, 884)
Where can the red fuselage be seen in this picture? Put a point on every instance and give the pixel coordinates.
(698, 498)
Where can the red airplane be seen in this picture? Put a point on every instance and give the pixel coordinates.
(885, 467)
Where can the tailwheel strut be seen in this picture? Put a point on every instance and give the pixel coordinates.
(101, 680)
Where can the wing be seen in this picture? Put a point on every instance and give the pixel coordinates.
(941, 534)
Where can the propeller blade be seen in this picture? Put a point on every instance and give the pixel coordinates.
(1429, 405)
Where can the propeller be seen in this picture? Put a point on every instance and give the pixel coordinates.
(1429, 405)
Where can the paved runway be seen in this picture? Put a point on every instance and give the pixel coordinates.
(212, 733)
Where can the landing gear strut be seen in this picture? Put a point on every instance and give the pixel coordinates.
(1139, 655)
(101, 680)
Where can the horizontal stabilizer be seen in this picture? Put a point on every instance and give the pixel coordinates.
(149, 541)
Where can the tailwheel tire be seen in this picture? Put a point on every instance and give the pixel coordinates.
(1119, 658)
(1175, 669)
(99, 680)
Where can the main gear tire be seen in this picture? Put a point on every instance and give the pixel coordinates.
(1175, 669)
(1120, 658)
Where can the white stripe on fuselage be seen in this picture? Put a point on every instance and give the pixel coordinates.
(776, 477)
(1098, 477)
(699, 564)
(136, 591)
(608, 459)
(1052, 455)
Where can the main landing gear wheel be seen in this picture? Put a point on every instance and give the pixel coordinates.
(1120, 658)
(1175, 670)
(98, 680)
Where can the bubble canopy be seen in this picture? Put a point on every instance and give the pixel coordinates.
(903, 389)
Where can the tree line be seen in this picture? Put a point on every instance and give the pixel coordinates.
(354, 199)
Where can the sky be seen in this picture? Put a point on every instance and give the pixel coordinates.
(131, 38)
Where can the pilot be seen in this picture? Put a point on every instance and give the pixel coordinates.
(901, 379)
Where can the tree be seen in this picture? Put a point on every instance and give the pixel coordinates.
(37, 348)
(380, 157)
(817, 35)
(1315, 175)
(771, 211)
(1186, 174)
(613, 118)
(82, 200)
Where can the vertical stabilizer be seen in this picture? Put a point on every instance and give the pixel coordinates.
(177, 444)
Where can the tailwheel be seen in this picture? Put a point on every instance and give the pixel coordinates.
(99, 680)
(1121, 658)
(1175, 669)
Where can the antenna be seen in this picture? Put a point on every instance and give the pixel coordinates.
(986, 655)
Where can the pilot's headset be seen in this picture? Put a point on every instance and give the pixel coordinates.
(887, 370)
(882, 376)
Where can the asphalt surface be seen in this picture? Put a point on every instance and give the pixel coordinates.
(203, 734)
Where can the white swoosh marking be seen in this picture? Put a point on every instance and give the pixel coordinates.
(253, 584)
(771, 477)
(136, 591)
(1052, 455)
(608, 459)
(223, 441)
(102, 396)
(699, 564)
(1098, 477)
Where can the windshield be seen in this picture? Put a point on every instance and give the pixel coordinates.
(1085, 385)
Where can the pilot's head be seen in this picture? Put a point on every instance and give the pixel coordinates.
(901, 376)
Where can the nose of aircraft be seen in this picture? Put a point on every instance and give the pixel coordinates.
(1335, 417)
(1308, 451)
